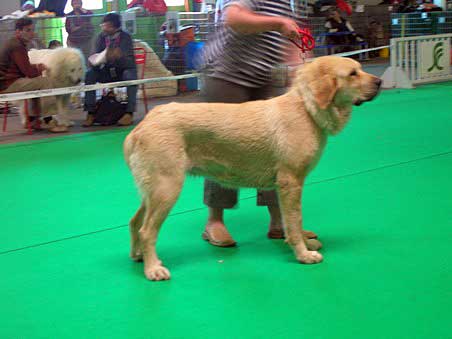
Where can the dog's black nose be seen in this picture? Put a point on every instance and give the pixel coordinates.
(378, 82)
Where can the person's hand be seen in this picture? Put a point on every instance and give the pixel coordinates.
(114, 54)
(289, 28)
(41, 67)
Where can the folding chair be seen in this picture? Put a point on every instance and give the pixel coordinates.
(140, 59)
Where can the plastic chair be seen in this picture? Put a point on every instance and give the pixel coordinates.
(140, 59)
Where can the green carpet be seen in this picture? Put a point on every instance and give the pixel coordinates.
(379, 199)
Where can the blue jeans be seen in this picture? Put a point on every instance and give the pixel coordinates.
(103, 75)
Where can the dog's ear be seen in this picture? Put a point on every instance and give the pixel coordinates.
(324, 89)
(321, 82)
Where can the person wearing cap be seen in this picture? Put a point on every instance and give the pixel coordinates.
(119, 66)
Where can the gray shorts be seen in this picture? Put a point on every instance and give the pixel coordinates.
(218, 90)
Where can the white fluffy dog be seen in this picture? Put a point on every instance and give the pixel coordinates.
(66, 67)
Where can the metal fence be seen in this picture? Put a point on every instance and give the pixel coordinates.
(420, 23)
(168, 53)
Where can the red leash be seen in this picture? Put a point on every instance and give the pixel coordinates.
(307, 41)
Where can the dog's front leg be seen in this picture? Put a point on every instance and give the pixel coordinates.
(289, 193)
(62, 116)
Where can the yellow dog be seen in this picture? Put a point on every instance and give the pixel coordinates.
(267, 144)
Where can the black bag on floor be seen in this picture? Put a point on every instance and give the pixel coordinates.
(109, 110)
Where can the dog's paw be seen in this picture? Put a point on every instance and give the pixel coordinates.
(310, 257)
(157, 273)
(313, 244)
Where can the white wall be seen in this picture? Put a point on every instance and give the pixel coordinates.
(9, 6)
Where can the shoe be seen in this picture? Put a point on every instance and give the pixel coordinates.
(89, 120)
(54, 127)
(126, 120)
(218, 236)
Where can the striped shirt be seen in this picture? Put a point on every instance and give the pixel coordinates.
(247, 60)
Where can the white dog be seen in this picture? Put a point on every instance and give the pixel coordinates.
(66, 67)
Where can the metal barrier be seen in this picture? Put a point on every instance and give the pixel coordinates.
(420, 23)
(148, 28)
(167, 54)
(417, 60)
(203, 23)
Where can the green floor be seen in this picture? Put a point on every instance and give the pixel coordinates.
(380, 200)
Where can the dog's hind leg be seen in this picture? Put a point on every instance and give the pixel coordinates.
(134, 226)
(289, 194)
(159, 195)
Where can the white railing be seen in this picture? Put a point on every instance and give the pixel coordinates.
(420, 59)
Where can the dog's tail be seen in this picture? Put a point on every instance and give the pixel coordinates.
(128, 147)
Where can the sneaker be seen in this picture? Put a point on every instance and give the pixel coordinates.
(126, 120)
(89, 120)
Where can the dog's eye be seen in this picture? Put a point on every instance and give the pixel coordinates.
(73, 70)
(353, 73)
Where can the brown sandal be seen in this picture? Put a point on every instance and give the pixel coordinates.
(218, 237)
(277, 233)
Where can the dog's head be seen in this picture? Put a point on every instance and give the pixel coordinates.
(329, 87)
(70, 68)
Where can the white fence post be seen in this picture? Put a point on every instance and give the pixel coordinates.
(417, 60)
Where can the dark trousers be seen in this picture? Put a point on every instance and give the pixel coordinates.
(217, 90)
(104, 75)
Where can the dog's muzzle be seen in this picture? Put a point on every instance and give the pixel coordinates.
(377, 84)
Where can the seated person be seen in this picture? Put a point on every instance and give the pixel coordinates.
(120, 65)
(336, 24)
(17, 74)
